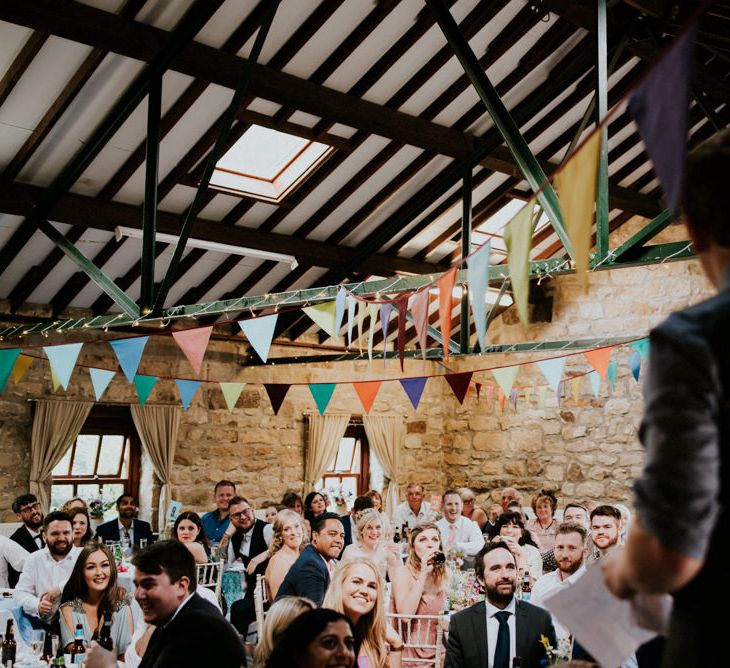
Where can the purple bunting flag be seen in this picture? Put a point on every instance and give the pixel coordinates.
(414, 389)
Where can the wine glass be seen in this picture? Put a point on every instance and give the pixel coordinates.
(37, 642)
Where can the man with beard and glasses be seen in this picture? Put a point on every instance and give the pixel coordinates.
(570, 554)
(605, 523)
(45, 571)
(126, 527)
(28, 510)
(492, 633)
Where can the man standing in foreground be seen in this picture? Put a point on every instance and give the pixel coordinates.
(189, 630)
(491, 633)
(675, 543)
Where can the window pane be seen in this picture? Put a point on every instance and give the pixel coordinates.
(85, 456)
(125, 462)
(88, 492)
(111, 451)
(344, 455)
(62, 466)
(111, 493)
(355, 466)
(60, 494)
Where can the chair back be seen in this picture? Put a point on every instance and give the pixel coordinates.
(209, 575)
(259, 601)
(422, 633)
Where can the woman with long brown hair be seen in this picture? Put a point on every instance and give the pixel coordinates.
(91, 595)
(188, 529)
(81, 526)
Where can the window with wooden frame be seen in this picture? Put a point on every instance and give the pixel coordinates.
(348, 475)
(103, 461)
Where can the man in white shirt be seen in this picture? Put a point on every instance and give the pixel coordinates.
(458, 533)
(414, 510)
(570, 555)
(578, 513)
(46, 571)
(491, 633)
(11, 554)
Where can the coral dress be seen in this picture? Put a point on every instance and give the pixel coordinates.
(424, 632)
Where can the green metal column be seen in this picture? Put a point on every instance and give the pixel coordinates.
(149, 212)
(601, 111)
(464, 329)
(526, 161)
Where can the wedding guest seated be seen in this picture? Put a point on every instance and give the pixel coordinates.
(470, 510)
(349, 520)
(316, 638)
(459, 534)
(270, 511)
(544, 526)
(215, 522)
(370, 544)
(495, 510)
(310, 574)
(11, 556)
(75, 502)
(578, 513)
(414, 510)
(605, 523)
(510, 495)
(92, 595)
(356, 590)
(281, 613)
(420, 588)
(284, 550)
(81, 526)
(46, 571)
(126, 527)
(188, 529)
(375, 496)
(623, 528)
(511, 531)
(292, 501)
(314, 506)
(28, 511)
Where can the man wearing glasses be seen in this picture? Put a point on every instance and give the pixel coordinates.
(246, 545)
(28, 510)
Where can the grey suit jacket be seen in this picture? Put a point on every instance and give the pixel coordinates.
(467, 645)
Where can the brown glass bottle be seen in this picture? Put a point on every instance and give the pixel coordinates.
(105, 634)
(9, 645)
(78, 649)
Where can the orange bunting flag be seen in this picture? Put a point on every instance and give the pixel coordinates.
(367, 391)
(599, 359)
(446, 299)
(193, 342)
(576, 184)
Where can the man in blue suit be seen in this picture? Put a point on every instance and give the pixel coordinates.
(309, 576)
(126, 526)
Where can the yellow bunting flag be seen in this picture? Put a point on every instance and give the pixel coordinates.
(576, 184)
(22, 364)
(575, 388)
(55, 380)
(518, 239)
(325, 316)
(231, 392)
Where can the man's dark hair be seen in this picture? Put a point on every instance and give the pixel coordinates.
(23, 500)
(573, 527)
(290, 499)
(224, 483)
(239, 499)
(704, 200)
(121, 498)
(574, 504)
(56, 516)
(168, 556)
(361, 503)
(479, 559)
(318, 522)
(449, 492)
(607, 511)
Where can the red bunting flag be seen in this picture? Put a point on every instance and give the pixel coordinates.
(367, 391)
(193, 342)
(459, 383)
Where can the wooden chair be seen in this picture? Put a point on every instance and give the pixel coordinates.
(260, 600)
(209, 575)
(423, 632)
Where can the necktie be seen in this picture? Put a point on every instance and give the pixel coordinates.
(501, 651)
(452, 535)
(39, 538)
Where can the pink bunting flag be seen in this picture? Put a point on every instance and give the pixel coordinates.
(193, 343)
(402, 304)
(419, 310)
(599, 359)
(446, 300)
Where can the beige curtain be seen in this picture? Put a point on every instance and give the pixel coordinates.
(385, 435)
(55, 427)
(157, 428)
(325, 434)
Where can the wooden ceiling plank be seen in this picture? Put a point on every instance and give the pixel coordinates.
(20, 64)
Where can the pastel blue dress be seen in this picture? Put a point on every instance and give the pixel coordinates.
(121, 627)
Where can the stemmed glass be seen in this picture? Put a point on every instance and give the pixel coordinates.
(37, 642)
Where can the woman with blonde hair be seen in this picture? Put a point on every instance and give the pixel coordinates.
(281, 613)
(420, 589)
(285, 547)
(371, 544)
(356, 590)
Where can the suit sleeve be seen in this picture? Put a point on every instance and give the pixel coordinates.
(454, 652)
(312, 583)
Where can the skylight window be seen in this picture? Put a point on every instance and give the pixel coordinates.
(267, 164)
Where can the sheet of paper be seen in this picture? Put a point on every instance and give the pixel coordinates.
(606, 626)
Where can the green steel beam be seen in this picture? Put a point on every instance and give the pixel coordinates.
(435, 334)
(601, 111)
(464, 329)
(226, 124)
(509, 130)
(632, 246)
(658, 254)
(149, 210)
(187, 28)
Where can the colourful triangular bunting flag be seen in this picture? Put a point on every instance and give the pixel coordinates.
(324, 316)
(414, 389)
(8, 357)
(459, 383)
(595, 379)
(187, 389)
(372, 313)
(642, 347)
(129, 353)
(340, 302)
(505, 377)
(22, 365)
(100, 379)
(611, 373)
(63, 360)
(276, 392)
(446, 300)
(231, 392)
(322, 393)
(385, 311)
(478, 279)
(259, 332)
(635, 364)
(518, 240)
(193, 343)
(599, 360)
(367, 391)
(418, 304)
(144, 385)
(552, 370)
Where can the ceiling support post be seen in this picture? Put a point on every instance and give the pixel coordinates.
(465, 329)
(601, 111)
(149, 211)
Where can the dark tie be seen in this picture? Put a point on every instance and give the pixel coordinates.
(501, 651)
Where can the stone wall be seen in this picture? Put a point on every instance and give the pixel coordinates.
(587, 448)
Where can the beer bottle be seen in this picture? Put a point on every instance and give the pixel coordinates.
(78, 649)
(526, 587)
(105, 635)
(9, 645)
(47, 656)
(396, 536)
